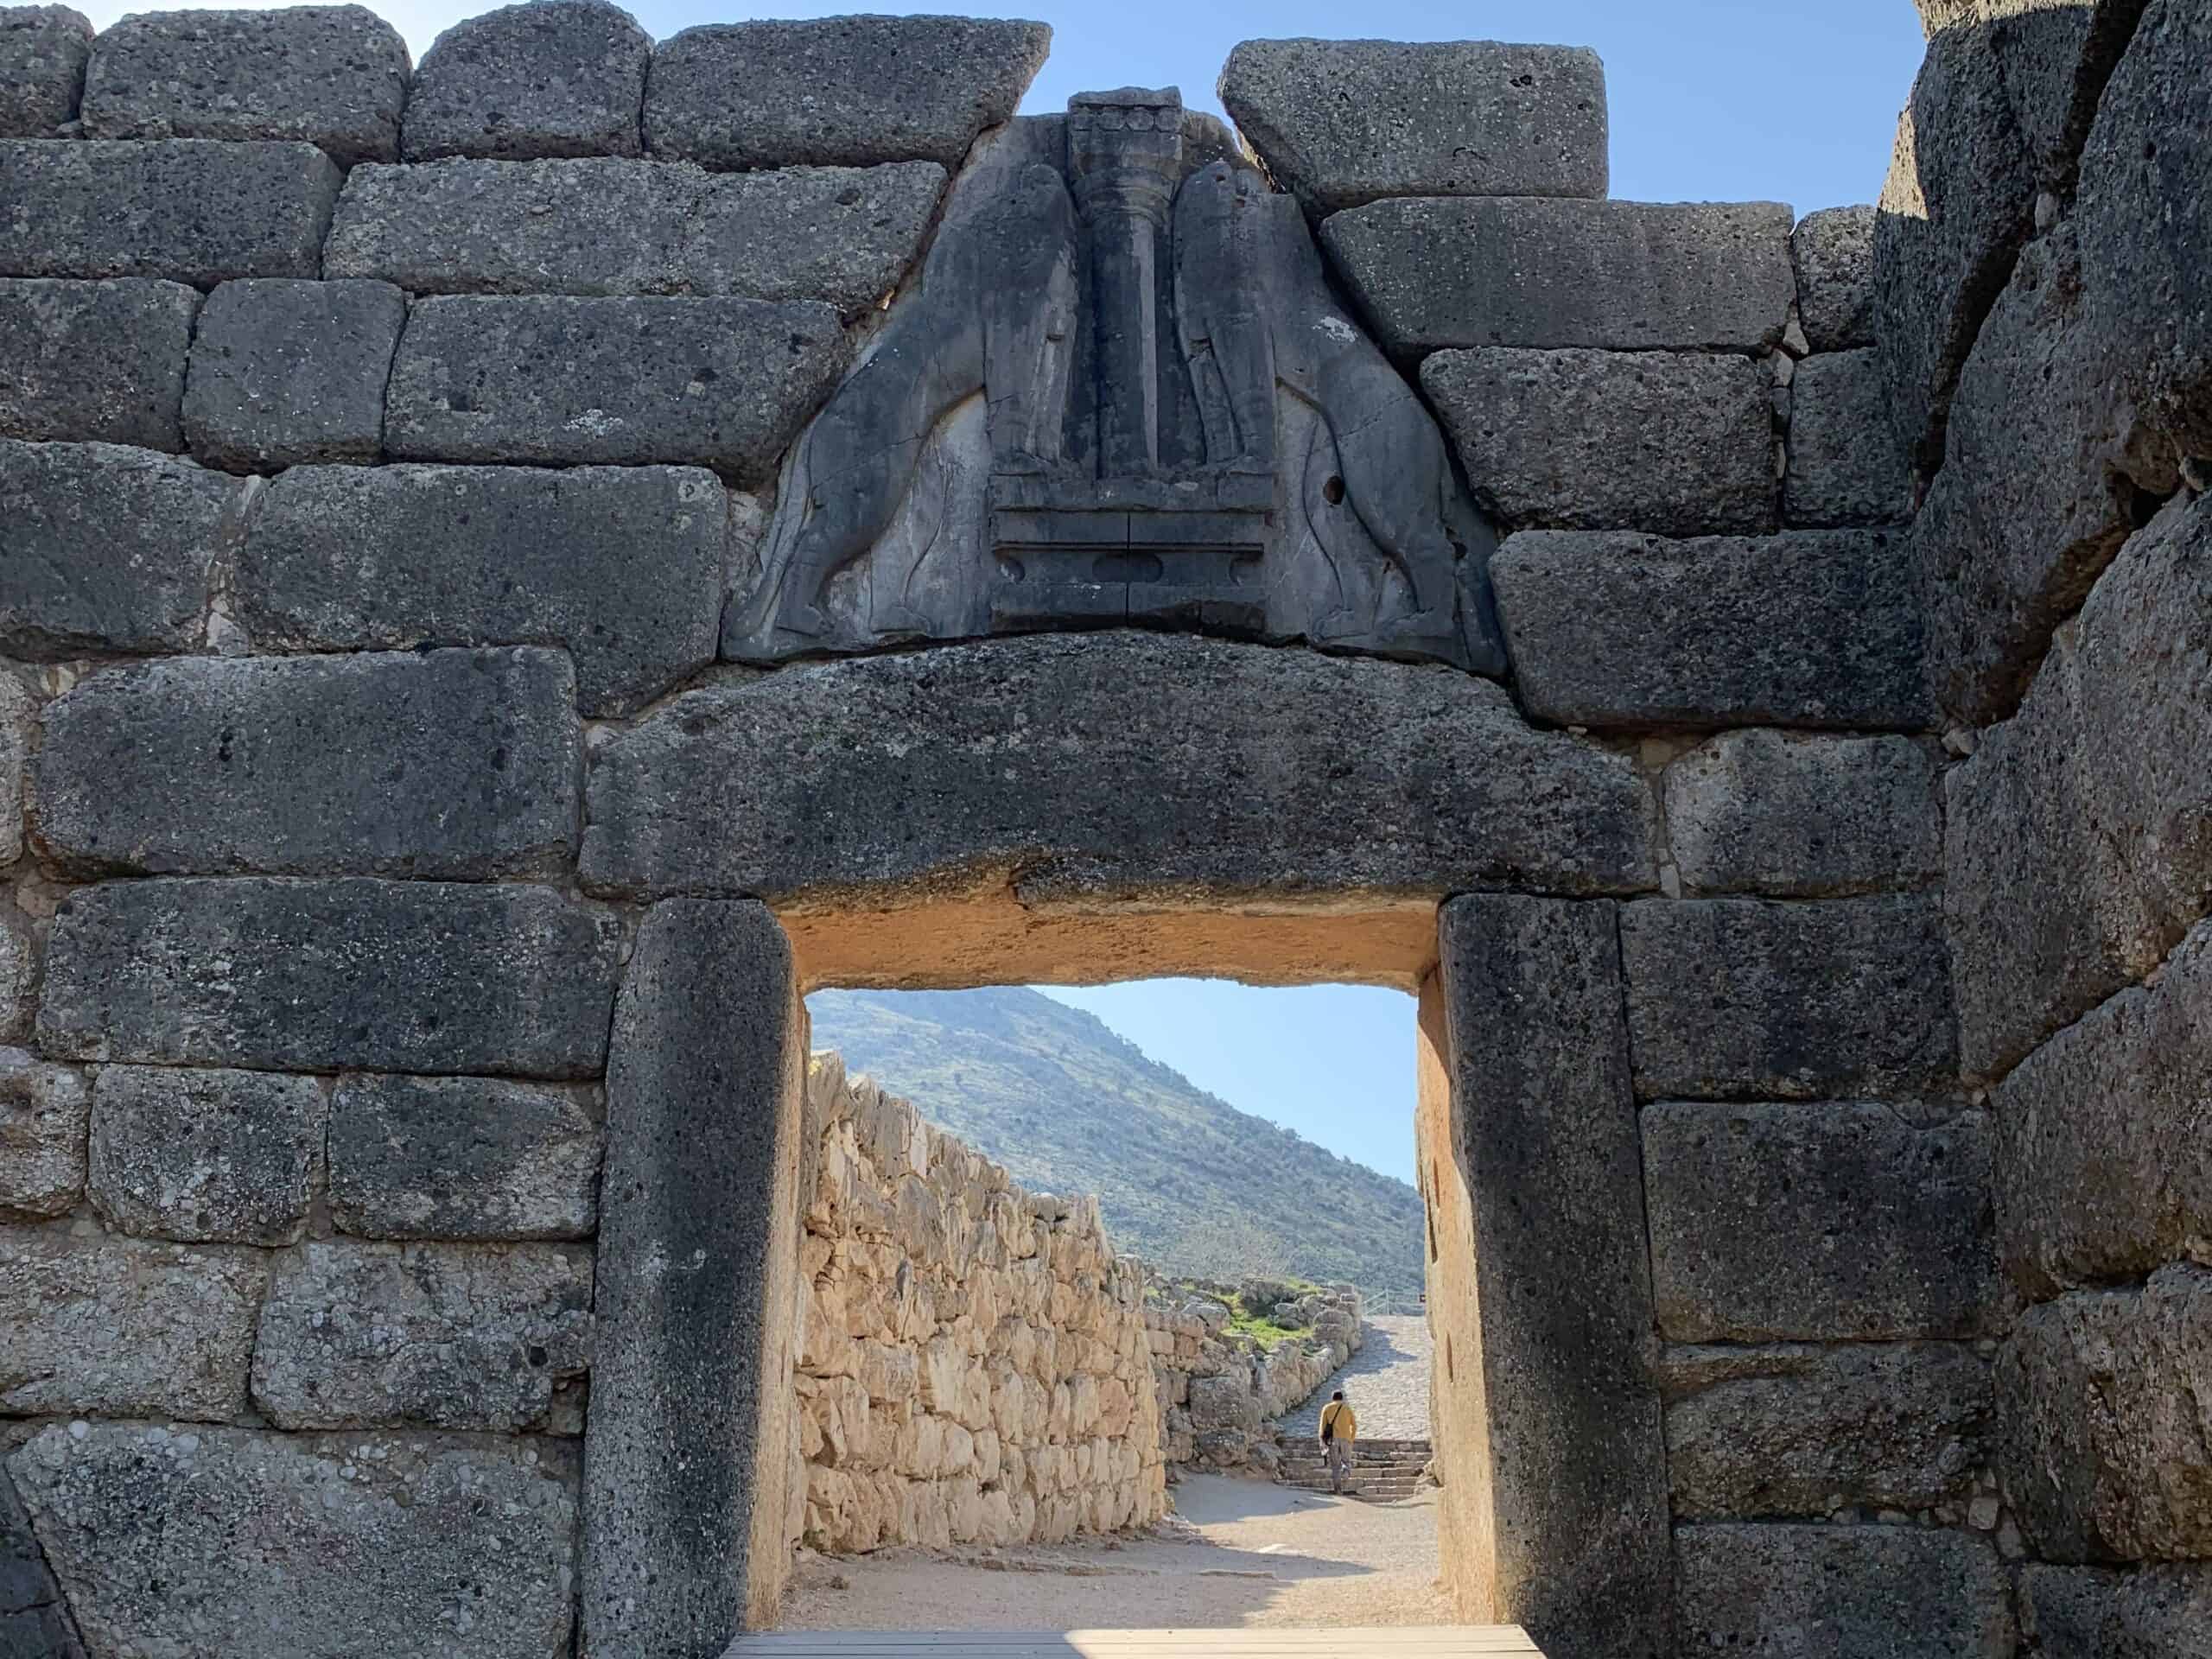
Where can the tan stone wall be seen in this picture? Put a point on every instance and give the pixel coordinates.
(1220, 1390)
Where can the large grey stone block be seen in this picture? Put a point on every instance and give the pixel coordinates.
(622, 565)
(725, 383)
(205, 1157)
(1520, 271)
(2103, 1170)
(1842, 1592)
(1351, 777)
(35, 1623)
(1819, 1221)
(1810, 628)
(1832, 254)
(18, 720)
(463, 1158)
(332, 76)
(1802, 816)
(430, 1336)
(1340, 123)
(44, 1112)
(1846, 465)
(323, 1547)
(448, 763)
(327, 975)
(2056, 60)
(108, 548)
(103, 361)
(2081, 1612)
(842, 235)
(837, 91)
(188, 211)
(114, 1327)
(2101, 1397)
(1672, 442)
(285, 371)
(1800, 1431)
(548, 78)
(43, 53)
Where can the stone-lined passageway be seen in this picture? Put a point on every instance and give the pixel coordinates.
(1387, 1382)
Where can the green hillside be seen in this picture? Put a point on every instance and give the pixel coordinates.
(1188, 1182)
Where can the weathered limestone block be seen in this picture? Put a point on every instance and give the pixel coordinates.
(115, 1328)
(19, 954)
(325, 975)
(42, 53)
(44, 1111)
(1846, 465)
(35, 1623)
(285, 371)
(1789, 815)
(428, 1336)
(1515, 270)
(108, 548)
(103, 361)
(623, 566)
(458, 764)
(18, 718)
(1802, 1431)
(979, 744)
(1819, 1221)
(463, 1158)
(841, 90)
(1810, 628)
(1832, 254)
(333, 76)
(189, 211)
(2080, 1612)
(205, 1157)
(1340, 123)
(256, 1545)
(2104, 1171)
(1672, 442)
(2056, 62)
(1844, 1592)
(1734, 998)
(551, 77)
(725, 383)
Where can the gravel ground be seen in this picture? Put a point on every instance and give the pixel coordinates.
(1387, 1383)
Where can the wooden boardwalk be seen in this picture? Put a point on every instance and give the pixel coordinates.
(1454, 1642)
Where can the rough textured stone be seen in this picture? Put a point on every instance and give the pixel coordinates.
(18, 975)
(447, 763)
(43, 1113)
(690, 1427)
(2104, 1171)
(2055, 61)
(1339, 123)
(1736, 998)
(1843, 1592)
(1832, 253)
(548, 78)
(285, 371)
(1676, 443)
(1520, 271)
(1353, 776)
(844, 91)
(725, 383)
(333, 76)
(1540, 1102)
(1846, 464)
(205, 1157)
(1818, 1221)
(622, 566)
(35, 1623)
(18, 716)
(2105, 1398)
(463, 1158)
(428, 1336)
(1809, 817)
(842, 235)
(108, 548)
(42, 53)
(186, 211)
(103, 361)
(1803, 1431)
(224, 1540)
(1810, 628)
(324, 976)
(2079, 1612)
(115, 1328)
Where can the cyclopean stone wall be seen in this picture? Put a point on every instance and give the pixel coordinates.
(973, 1368)
(1220, 1391)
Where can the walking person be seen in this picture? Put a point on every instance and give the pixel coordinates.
(1340, 1429)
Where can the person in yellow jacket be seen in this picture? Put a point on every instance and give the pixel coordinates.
(1339, 1429)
